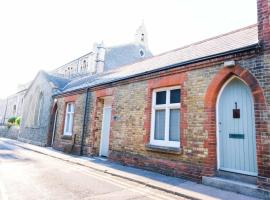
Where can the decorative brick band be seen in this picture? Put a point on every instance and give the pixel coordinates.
(67, 100)
(95, 130)
(259, 106)
(166, 81)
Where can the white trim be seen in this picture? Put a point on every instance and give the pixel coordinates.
(107, 105)
(167, 107)
(70, 124)
(217, 127)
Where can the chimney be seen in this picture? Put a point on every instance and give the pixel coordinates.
(263, 11)
(100, 57)
(97, 58)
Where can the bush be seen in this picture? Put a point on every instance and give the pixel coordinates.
(18, 121)
(12, 120)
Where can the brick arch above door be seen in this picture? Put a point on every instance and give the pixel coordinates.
(210, 100)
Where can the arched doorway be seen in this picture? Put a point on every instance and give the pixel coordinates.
(52, 126)
(236, 135)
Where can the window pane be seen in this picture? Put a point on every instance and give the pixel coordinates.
(159, 125)
(67, 123)
(70, 123)
(161, 98)
(175, 96)
(69, 107)
(72, 107)
(174, 128)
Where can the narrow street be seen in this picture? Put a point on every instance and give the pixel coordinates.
(27, 175)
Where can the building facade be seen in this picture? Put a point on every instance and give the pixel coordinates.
(179, 113)
(38, 120)
(38, 102)
(12, 106)
(103, 58)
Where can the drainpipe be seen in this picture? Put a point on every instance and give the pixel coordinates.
(84, 120)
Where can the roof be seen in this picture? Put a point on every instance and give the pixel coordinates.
(125, 54)
(228, 42)
(58, 81)
(115, 56)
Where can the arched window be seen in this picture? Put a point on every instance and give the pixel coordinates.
(14, 110)
(38, 109)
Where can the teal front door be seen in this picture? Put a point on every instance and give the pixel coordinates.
(236, 129)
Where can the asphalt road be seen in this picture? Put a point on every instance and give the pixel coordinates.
(27, 175)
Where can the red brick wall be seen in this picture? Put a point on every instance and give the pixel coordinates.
(200, 84)
(131, 113)
(263, 7)
(260, 108)
(167, 81)
(92, 137)
(70, 144)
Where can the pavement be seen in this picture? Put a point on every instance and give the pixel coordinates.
(150, 184)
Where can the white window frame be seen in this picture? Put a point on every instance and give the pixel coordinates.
(167, 107)
(70, 124)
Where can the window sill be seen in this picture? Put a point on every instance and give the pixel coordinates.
(163, 149)
(66, 137)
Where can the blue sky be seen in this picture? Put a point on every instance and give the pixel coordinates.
(43, 34)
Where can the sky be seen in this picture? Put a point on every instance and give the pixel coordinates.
(45, 34)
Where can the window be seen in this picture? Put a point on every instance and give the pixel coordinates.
(165, 126)
(84, 66)
(38, 109)
(14, 110)
(69, 119)
(142, 53)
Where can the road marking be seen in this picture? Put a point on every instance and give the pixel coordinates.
(128, 185)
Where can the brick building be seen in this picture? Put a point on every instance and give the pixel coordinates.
(190, 112)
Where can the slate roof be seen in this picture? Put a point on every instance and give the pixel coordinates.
(125, 54)
(58, 81)
(238, 39)
(115, 56)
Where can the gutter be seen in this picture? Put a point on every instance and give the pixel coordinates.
(234, 51)
(84, 120)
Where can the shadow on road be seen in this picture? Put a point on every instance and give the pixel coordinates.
(9, 153)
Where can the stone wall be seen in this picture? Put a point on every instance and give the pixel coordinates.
(29, 131)
(9, 132)
(3, 106)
